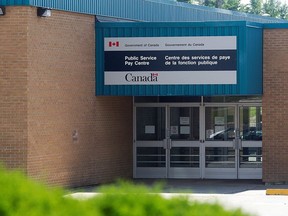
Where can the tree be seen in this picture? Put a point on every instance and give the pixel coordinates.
(209, 3)
(232, 5)
(255, 7)
(272, 7)
(186, 1)
(283, 10)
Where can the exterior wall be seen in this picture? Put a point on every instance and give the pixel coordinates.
(62, 103)
(275, 103)
(69, 136)
(13, 88)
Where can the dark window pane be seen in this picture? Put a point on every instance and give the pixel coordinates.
(220, 157)
(151, 157)
(251, 157)
(150, 123)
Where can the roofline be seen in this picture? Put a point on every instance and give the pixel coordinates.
(220, 10)
(103, 8)
(183, 24)
(276, 26)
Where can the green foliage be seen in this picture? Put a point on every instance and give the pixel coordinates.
(283, 11)
(186, 1)
(271, 7)
(125, 199)
(255, 6)
(232, 5)
(21, 197)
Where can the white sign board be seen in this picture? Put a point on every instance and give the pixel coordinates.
(170, 60)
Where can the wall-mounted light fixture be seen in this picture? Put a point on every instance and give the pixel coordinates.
(2, 10)
(44, 12)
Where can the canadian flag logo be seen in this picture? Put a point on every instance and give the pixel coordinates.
(113, 43)
(154, 74)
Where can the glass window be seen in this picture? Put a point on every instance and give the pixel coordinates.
(233, 99)
(163, 99)
(184, 123)
(251, 123)
(150, 123)
(251, 157)
(220, 157)
(219, 123)
(151, 157)
(184, 157)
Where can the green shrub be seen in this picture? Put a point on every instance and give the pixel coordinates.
(125, 199)
(22, 197)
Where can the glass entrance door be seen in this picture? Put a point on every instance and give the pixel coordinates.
(215, 141)
(250, 146)
(167, 142)
(184, 152)
(233, 142)
(220, 160)
(151, 143)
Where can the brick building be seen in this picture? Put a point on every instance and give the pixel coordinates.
(56, 127)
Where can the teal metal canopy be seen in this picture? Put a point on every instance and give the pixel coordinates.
(245, 60)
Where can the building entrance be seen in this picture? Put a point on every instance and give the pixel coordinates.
(217, 141)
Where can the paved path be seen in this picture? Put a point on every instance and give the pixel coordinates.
(254, 202)
(250, 196)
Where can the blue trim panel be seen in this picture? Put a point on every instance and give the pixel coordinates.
(276, 26)
(145, 10)
(249, 57)
(15, 2)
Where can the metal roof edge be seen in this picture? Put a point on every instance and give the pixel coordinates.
(254, 24)
(95, 8)
(180, 24)
(219, 10)
(275, 26)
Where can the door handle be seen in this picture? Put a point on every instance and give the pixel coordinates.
(235, 144)
(165, 144)
(240, 144)
(169, 143)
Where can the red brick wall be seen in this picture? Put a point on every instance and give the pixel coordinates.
(59, 97)
(13, 88)
(275, 106)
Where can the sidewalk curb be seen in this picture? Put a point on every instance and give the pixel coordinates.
(277, 192)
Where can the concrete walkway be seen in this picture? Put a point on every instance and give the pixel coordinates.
(249, 195)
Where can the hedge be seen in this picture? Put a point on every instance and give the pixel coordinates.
(20, 196)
